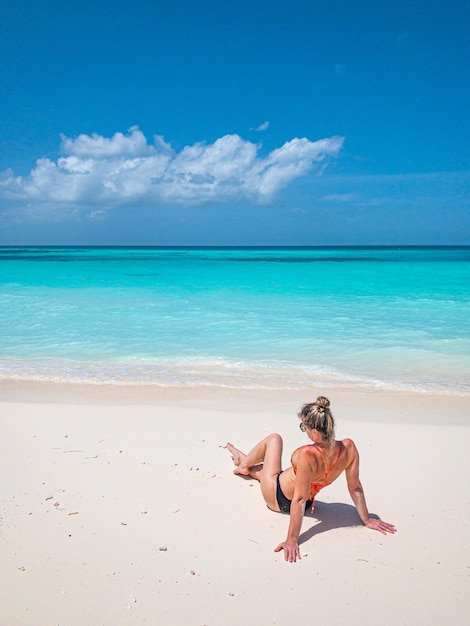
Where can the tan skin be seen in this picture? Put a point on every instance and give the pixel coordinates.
(263, 463)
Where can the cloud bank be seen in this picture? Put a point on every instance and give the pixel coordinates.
(125, 170)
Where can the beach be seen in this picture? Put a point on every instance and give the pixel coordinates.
(119, 506)
(124, 372)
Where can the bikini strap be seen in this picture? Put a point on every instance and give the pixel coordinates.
(322, 456)
(328, 469)
(292, 462)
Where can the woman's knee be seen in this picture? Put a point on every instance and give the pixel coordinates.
(274, 438)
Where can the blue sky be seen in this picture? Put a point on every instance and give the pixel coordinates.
(234, 123)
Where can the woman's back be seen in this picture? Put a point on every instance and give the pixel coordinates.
(324, 464)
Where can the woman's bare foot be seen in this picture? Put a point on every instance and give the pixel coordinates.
(238, 458)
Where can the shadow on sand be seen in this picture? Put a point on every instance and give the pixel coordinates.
(330, 516)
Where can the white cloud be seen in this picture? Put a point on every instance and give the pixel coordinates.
(98, 147)
(263, 126)
(125, 170)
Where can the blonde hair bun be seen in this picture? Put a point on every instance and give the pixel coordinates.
(322, 402)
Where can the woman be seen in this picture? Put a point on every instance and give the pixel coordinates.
(313, 467)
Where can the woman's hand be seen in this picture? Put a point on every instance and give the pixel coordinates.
(291, 550)
(382, 527)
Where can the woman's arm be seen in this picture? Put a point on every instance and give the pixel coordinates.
(291, 544)
(357, 494)
(297, 508)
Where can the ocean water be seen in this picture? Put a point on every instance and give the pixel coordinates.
(280, 318)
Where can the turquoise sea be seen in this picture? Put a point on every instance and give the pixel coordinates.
(274, 318)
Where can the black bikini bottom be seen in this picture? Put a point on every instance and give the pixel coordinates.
(283, 502)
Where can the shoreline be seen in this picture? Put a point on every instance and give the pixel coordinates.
(378, 404)
(219, 373)
(120, 507)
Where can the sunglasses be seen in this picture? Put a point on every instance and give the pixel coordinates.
(302, 427)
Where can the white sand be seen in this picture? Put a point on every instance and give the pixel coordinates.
(119, 506)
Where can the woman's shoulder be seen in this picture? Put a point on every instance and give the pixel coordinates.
(350, 447)
(303, 453)
(303, 450)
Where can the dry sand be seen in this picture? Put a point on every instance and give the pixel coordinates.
(119, 506)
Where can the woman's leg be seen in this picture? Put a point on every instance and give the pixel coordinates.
(263, 463)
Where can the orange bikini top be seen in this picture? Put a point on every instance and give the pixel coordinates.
(315, 487)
